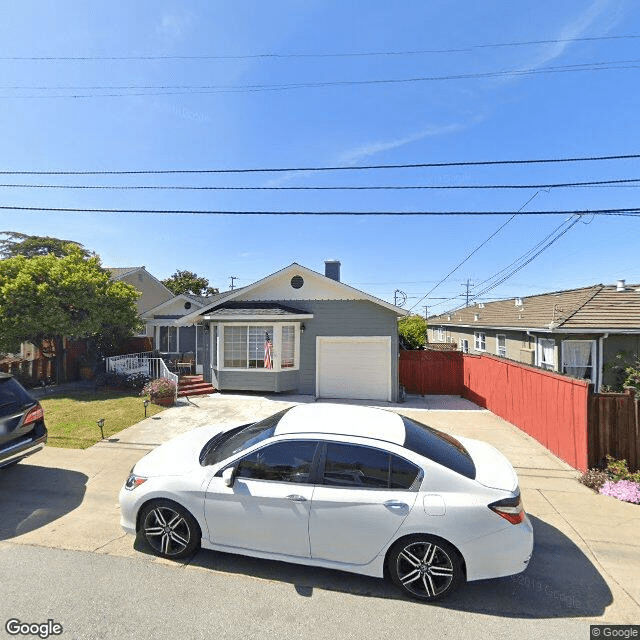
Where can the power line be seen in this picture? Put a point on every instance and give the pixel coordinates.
(415, 165)
(549, 239)
(559, 185)
(524, 264)
(470, 255)
(150, 90)
(632, 212)
(347, 54)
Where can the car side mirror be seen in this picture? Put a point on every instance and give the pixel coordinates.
(229, 475)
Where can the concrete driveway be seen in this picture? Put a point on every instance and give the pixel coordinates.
(585, 564)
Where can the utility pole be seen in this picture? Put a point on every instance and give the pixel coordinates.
(468, 284)
(232, 278)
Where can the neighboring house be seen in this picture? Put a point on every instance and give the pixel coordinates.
(295, 330)
(153, 292)
(577, 331)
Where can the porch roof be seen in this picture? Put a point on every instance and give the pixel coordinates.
(256, 310)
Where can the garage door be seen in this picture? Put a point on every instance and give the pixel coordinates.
(353, 367)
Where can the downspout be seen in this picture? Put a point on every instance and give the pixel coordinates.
(535, 347)
(601, 361)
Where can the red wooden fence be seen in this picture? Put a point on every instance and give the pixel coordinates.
(434, 372)
(551, 408)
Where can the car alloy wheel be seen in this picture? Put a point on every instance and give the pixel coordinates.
(424, 567)
(169, 529)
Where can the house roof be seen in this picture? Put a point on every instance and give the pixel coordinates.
(118, 272)
(596, 308)
(230, 310)
(348, 291)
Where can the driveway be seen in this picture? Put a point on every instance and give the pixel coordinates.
(585, 562)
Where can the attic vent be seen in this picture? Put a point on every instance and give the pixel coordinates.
(620, 286)
(448, 317)
(476, 317)
(480, 305)
(518, 302)
(297, 282)
(187, 305)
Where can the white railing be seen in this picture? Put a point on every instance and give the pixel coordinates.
(144, 363)
(130, 363)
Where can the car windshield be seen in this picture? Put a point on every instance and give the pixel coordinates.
(439, 447)
(231, 442)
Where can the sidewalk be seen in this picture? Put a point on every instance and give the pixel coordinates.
(586, 561)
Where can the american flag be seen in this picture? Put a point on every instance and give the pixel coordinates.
(268, 348)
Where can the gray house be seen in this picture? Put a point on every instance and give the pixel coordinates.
(579, 332)
(297, 331)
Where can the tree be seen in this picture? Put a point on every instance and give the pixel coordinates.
(413, 332)
(188, 282)
(20, 244)
(47, 298)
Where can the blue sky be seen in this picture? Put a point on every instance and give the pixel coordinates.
(543, 115)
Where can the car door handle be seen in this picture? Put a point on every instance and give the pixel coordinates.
(396, 504)
(296, 498)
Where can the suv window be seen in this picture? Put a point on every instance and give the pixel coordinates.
(349, 465)
(12, 396)
(288, 461)
(439, 447)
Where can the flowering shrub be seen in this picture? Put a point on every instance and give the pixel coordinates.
(159, 388)
(595, 479)
(623, 490)
(615, 480)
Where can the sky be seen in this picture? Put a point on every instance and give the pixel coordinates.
(202, 89)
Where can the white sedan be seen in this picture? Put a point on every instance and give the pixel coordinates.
(338, 486)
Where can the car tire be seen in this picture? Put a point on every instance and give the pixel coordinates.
(169, 530)
(424, 567)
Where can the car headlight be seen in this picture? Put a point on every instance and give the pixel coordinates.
(133, 481)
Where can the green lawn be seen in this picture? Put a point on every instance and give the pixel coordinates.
(71, 418)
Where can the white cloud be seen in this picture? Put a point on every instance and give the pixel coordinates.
(600, 11)
(372, 148)
(174, 25)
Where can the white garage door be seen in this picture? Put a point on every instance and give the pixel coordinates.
(354, 367)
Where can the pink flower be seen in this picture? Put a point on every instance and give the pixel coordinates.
(623, 490)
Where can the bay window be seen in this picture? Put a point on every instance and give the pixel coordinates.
(259, 347)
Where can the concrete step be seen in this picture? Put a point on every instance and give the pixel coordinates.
(203, 391)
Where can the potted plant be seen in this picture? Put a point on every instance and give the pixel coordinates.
(162, 391)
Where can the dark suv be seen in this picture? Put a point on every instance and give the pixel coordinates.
(22, 429)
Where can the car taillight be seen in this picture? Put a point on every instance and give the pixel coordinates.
(510, 509)
(34, 415)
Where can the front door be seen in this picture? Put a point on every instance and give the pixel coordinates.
(365, 496)
(267, 508)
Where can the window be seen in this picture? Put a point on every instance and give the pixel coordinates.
(228, 443)
(280, 462)
(464, 346)
(501, 345)
(288, 343)
(545, 353)
(349, 465)
(480, 341)
(244, 346)
(439, 447)
(578, 357)
(169, 339)
(440, 334)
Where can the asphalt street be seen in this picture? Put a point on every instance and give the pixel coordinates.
(96, 596)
